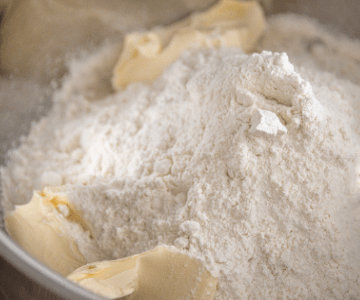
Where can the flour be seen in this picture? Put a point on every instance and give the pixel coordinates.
(247, 162)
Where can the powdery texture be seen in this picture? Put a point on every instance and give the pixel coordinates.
(174, 163)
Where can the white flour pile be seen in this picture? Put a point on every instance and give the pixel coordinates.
(250, 164)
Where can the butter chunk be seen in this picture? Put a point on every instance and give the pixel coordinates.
(161, 273)
(267, 124)
(40, 228)
(111, 279)
(229, 23)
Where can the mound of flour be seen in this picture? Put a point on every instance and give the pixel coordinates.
(245, 161)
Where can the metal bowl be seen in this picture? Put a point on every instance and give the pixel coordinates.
(22, 276)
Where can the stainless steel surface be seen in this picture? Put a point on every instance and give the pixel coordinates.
(340, 15)
(41, 275)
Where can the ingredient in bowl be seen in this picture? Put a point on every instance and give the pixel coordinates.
(43, 228)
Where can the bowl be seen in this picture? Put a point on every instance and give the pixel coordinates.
(22, 276)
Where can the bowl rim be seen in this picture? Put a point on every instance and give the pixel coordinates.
(40, 273)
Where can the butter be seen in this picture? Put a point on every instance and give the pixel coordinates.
(40, 228)
(161, 273)
(111, 279)
(229, 23)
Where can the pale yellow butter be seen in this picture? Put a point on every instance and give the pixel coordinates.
(40, 228)
(229, 23)
(161, 273)
(111, 279)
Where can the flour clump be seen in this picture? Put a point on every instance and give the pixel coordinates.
(240, 160)
(266, 123)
